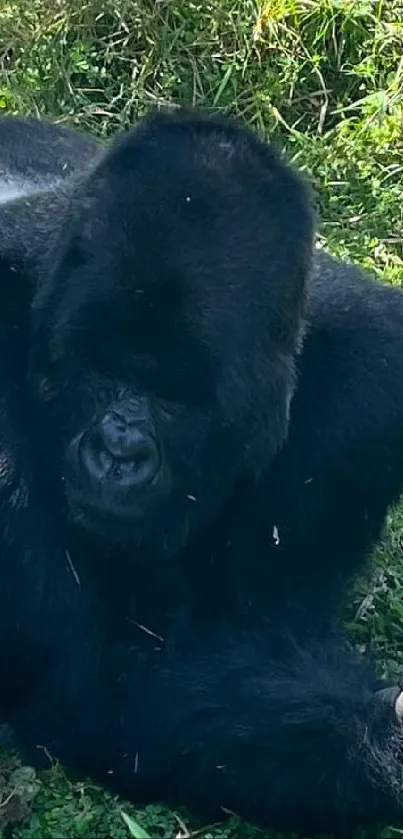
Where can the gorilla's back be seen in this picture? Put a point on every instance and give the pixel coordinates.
(33, 150)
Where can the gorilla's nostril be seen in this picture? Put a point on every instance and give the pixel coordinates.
(124, 440)
(124, 453)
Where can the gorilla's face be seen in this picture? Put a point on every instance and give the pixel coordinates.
(145, 457)
(164, 338)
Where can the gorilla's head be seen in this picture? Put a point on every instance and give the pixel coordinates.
(166, 326)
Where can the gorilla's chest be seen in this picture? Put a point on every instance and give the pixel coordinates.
(149, 610)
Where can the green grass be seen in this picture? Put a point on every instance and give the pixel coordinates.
(324, 80)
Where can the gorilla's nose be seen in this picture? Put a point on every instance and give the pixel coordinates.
(121, 449)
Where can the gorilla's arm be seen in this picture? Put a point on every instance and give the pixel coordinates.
(294, 742)
(46, 619)
(331, 486)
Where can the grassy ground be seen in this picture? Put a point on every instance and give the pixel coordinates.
(324, 79)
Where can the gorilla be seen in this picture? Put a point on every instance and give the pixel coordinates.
(201, 430)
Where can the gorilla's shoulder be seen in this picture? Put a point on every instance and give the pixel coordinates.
(342, 293)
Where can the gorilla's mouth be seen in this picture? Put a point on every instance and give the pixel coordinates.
(102, 511)
(105, 489)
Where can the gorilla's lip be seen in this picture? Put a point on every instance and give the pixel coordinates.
(94, 511)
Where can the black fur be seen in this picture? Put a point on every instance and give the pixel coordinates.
(176, 539)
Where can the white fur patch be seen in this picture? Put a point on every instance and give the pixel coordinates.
(12, 188)
(399, 707)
